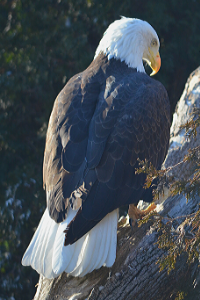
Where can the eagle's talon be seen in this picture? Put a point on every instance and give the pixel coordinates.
(130, 222)
(137, 214)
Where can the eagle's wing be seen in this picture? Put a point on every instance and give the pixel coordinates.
(97, 131)
(66, 141)
(135, 126)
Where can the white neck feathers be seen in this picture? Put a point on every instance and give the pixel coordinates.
(126, 39)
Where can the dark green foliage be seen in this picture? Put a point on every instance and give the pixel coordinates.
(44, 43)
(192, 125)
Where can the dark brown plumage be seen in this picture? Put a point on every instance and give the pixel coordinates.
(103, 120)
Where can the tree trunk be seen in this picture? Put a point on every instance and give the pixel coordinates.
(135, 274)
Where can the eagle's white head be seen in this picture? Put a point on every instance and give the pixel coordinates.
(131, 40)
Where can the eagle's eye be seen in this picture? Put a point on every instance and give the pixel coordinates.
(154, 43)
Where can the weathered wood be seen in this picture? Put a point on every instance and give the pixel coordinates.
(135, 274)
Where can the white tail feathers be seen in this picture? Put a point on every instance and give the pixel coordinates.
(47, 254)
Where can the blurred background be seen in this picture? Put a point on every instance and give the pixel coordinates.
(43, 44)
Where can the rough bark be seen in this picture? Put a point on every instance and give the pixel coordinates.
(135, 274)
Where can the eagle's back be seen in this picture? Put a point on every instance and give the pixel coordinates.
(103, 120)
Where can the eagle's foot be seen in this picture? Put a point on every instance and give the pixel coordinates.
(135, 213)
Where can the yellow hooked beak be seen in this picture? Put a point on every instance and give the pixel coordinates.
(154, 62)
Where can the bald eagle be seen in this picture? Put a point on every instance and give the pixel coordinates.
(103, 120)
